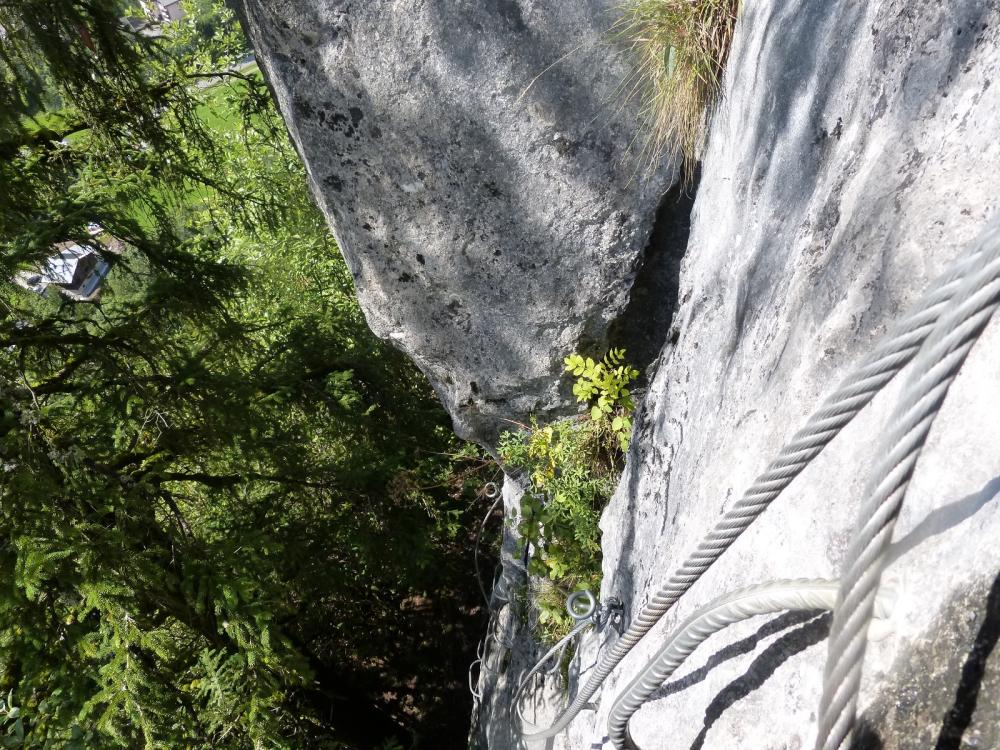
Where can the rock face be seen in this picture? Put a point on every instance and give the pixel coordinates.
(855, 155)
(477, 162)
(475, 166)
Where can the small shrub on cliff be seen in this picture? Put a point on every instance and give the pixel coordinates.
(604, 385)
(681, 48)
(573, 465)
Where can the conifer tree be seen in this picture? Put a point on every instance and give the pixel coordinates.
(217, 489)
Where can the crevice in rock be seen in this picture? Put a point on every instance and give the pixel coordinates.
(644, 325)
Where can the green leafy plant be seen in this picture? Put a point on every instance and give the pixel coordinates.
(681, 48)
(604, 385)
(573, 466)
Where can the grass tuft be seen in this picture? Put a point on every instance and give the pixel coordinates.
(680, 49)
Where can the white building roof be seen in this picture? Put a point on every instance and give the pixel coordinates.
(60, 269)
(76, 271)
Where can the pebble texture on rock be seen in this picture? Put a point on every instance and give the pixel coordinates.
(855, 154)
(478, 164)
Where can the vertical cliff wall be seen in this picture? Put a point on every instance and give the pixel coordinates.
(474, 161)
(477, 162)
(854, 155)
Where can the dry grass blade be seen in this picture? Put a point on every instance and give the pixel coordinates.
(680, 49)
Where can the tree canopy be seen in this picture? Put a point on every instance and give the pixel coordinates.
(230, 516)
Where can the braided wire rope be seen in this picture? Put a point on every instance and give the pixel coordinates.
(559, 648)
(854, 392)
(762, 599)
(934, 369)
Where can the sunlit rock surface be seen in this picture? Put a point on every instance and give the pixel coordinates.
(493, 225)
(854, 155)
(479, 164)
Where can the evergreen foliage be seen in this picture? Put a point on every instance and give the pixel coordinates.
(229, 514)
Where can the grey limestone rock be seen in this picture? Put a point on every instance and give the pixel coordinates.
(479, 165)
(477, 172)
(854, 155)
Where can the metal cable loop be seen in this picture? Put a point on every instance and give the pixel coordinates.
(505, 639)
(483, 649)
(597, 615)
(559, 648)
(762, 599)
(853, 393)
(495, 601)
(479, 536)
(476, 695)
(695, 629)
(934, 369)
(499, 593)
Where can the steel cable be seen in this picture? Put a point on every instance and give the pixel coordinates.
(934, 369)
(763, 599)
(559, 648)
(892, 352)
(491, 491)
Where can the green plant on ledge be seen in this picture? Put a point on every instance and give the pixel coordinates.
(604, 384)
(573, 465)
(680, 49)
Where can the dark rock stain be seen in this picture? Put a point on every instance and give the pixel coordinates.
(564, 146)
(510, 11)
(302, 108)
(340, 123)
